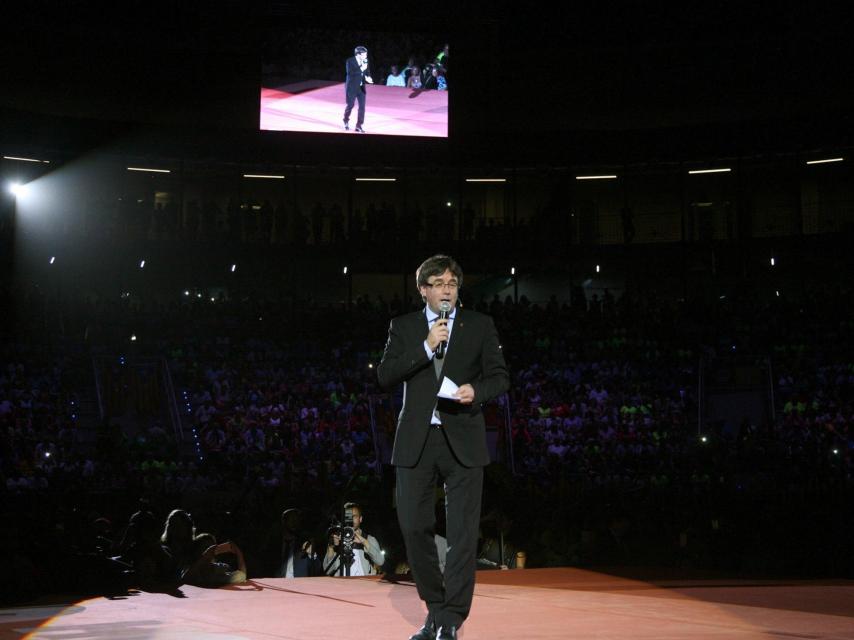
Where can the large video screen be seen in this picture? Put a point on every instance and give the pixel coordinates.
(356, 83)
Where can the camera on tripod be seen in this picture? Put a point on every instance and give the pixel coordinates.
(346, 534)
(344, 529)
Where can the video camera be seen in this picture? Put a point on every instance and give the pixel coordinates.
(344, 528)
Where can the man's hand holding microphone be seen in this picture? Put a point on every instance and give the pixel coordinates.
(439, 334)
(437, 342)
(363, 65)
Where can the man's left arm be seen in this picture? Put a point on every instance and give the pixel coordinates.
(373, 550)
(495, 379)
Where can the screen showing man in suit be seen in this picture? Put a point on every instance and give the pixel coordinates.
(310, 75)
(442, 438)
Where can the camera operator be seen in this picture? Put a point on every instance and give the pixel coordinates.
(367, 555)
(297, 556)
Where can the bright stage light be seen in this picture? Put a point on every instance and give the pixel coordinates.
(700, 171)
(18, 190)
(19, 159)
(142, 264)
(149, 170)
(825, 160)
(233, 268)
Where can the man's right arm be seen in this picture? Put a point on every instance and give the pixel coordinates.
(400, 360)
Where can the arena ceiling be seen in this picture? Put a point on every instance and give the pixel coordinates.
(612, 82)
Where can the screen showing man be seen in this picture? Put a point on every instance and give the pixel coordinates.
(311, 75)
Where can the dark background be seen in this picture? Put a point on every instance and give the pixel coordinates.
(644, 90)
(613, 83)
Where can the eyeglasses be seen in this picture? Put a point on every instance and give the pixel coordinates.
(439, 285)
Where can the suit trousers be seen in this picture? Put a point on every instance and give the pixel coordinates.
(351, 98)
(448, 597)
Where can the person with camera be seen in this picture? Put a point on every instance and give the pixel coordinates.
(360, 551)
(297, 558)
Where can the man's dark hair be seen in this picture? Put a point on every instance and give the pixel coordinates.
(436, 266)
(360, 49)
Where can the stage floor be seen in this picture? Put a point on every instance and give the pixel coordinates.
(393, 111)
(530, 604)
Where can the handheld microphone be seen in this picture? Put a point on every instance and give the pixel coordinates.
(444, 314)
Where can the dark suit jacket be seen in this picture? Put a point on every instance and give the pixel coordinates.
(474, 357)
(355, 81)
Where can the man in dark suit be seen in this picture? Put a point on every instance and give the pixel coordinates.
(442, 438)
(354, 85)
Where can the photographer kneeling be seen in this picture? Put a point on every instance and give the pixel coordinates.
(362, 550)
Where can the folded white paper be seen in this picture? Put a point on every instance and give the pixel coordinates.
(448, 389)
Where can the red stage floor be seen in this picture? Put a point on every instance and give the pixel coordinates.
(393, 111)
(534, 604)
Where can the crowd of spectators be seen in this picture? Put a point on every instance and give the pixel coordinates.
(603, 428)
(37, 416)
(294, 418)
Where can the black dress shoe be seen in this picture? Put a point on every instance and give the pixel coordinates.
(359, 128)
(427, 632)
(447, 633)
(346, 126)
